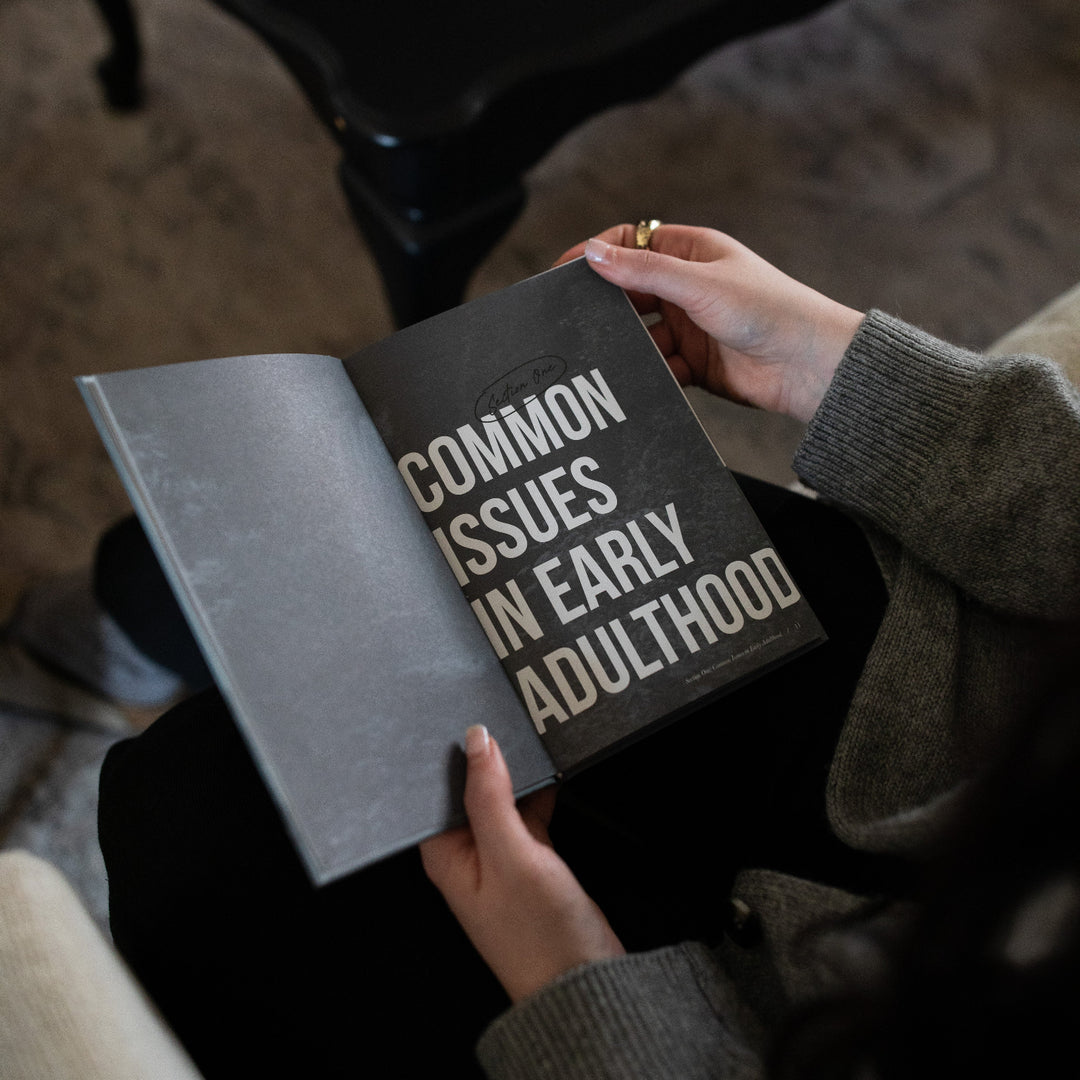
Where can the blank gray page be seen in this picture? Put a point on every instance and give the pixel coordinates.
(326, 611)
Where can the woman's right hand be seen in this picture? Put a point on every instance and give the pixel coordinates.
(729, 321)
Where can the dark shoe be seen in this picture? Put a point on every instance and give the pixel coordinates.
(29, 688)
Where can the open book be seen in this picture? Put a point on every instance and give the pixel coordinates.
(507, 514)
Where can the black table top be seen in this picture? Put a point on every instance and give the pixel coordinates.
(413, 68)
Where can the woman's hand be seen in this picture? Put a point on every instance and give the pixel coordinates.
(517, 900)
(729, 321)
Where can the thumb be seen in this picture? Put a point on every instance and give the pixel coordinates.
(496, 825)
(642, 270)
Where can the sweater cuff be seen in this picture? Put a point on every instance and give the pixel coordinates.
(896, 397)
(656, 1014)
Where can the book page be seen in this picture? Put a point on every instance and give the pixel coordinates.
(609, 555)
(323, 607)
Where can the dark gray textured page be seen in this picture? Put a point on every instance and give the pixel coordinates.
(615, 564)
(326, 612)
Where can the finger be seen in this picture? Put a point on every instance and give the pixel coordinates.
(683, 372)
(683, 283)
(690, 242)
(663, 338)
(615, 255)
(497, 827)
(536, 811)
(622, 235)
(665, 341)
(643, 303)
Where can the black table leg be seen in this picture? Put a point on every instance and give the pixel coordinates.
(121, 71)
(426, 261)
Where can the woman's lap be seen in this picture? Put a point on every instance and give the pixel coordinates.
(256, 969)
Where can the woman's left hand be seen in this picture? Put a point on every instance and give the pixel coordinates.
(520, 904)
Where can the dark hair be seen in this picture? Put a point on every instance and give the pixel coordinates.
(985, 974)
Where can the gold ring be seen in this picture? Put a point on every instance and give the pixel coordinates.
(643, 233)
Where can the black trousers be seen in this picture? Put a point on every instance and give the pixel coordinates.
(261, 974)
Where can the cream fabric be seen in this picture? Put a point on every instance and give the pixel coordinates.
(69, 1009)
(1053, 331)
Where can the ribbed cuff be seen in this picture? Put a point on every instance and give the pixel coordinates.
(645, 1014)
(895, 400)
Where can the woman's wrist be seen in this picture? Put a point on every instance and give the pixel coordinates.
(827, 339)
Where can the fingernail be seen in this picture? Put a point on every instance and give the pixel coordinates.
(599, 251)
(476, 741)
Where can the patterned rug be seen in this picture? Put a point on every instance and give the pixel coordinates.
(918, 155)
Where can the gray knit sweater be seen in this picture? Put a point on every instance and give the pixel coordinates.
(964, 471)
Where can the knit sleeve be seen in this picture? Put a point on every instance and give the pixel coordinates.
(661, 1014)
(972, 462)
